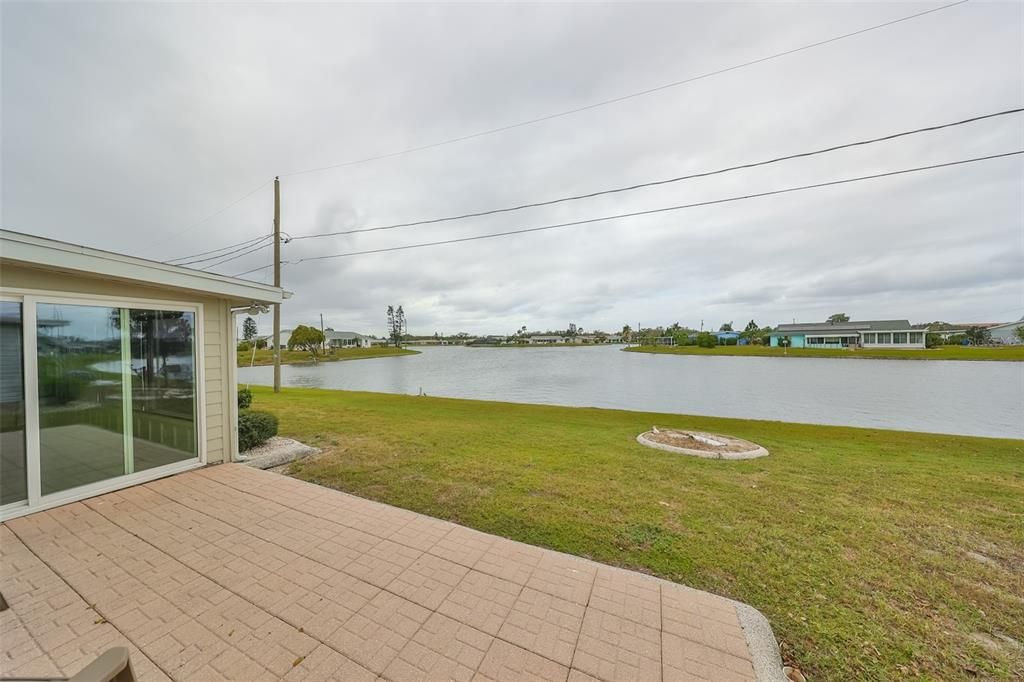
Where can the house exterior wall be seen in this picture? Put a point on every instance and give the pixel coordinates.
(886, 339)
(795, 340)
(216, 342)
(1006, 333)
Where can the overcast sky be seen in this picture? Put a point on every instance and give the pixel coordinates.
(126, 125)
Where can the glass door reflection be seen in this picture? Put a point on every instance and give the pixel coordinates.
(81, 395)
(163, 395)
(13, 482)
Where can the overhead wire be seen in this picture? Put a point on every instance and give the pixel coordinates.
(216, 213)
(572, 111)
(232, 248)
(665, 181)
(664, 209)
(258, 247)
(628, 96)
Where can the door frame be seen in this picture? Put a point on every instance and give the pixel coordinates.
(29, 298)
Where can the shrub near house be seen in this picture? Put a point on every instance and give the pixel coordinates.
(254, 427)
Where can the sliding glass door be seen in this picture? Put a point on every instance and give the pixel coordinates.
(91, 393)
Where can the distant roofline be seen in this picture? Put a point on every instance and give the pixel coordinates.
(855, 326)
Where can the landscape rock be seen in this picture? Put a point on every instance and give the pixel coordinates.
(276, 452)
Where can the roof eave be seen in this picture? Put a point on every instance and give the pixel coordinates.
(51, 254)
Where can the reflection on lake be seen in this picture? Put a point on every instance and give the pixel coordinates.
(970, 398)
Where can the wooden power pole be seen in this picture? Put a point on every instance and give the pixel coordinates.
(277, 283)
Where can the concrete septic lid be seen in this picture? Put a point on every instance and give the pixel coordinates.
(700, 444)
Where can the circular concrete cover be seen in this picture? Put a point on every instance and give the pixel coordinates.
(700, 444)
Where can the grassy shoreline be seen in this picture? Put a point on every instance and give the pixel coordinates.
(972, 353)
(297, 357)
(874, 554)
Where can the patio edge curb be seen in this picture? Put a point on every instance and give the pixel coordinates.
(764, 649)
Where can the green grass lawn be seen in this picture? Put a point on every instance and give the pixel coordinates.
(266, 356)
(855, 543)
(1006, 353)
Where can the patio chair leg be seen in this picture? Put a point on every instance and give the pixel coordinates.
(112, 665)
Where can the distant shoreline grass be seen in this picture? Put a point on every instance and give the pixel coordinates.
(973, 353)
(539, 345)
(298, 357)
(872, 552)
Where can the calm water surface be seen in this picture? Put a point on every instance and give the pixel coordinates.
(970, 398)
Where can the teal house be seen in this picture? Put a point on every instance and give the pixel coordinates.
(853, 334)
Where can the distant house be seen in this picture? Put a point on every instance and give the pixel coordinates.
(285, 335)
(1006, 332)
(866, 334)
(546, 339)
(335, 340)
(489, 340)
(724, 338)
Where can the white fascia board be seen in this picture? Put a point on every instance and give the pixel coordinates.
(51, 254)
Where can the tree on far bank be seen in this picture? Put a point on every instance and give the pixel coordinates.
(751, 332)
(627, 333)
(727, 327)
(309, 339)
(707, 339)
(978, 336)
(837, 318)
(396, 325)
(1019, 333)
(249, 330)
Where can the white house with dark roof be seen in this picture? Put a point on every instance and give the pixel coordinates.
(1006, 333)
(335, 339)
(853, 334)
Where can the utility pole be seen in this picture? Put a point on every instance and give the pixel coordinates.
(277, 283)
(323, 344)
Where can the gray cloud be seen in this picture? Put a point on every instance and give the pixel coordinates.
(125, 124)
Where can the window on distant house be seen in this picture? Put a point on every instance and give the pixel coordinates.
(899, 337)
(885, 338)
(869, 338)
(916, 337)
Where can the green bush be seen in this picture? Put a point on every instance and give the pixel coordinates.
(255, 428)
(244, 398)
(244, 346)
(706, 340)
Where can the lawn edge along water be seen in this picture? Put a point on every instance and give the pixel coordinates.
(946, 354)
(293, 357)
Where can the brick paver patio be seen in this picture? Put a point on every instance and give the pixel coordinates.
(229, 572)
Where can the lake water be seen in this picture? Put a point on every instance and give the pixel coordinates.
(970, 398)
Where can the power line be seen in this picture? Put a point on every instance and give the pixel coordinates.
(623, 98)
(666, 181)
(656, 210)
(570, 112)
(254, 249)
(219, 211)
(262, 267)
(195, 258)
